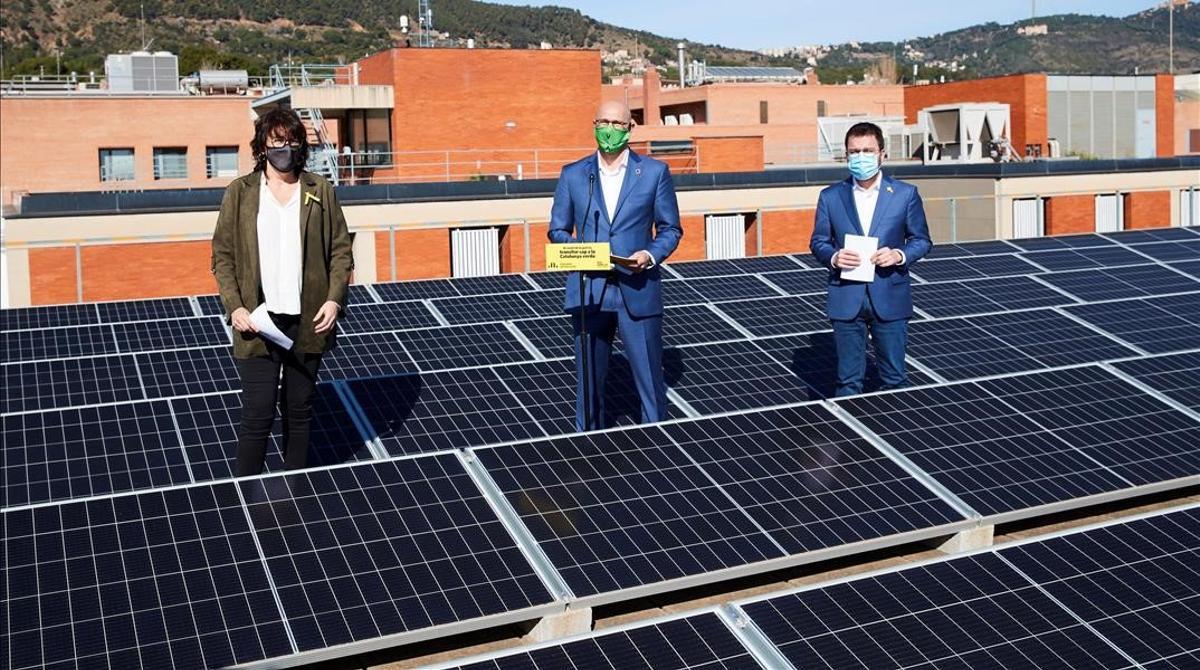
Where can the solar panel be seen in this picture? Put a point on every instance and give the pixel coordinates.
(387, 316)
(188, 371)
(709, 268)
(980, 346)
(1136, 436)
(730, 376)
(553, 336)
(70, 342)
(697, 642)
(1157, 325)
(777, 316)
(981, 448)
(752, 264)
(1150, 235)
(491, 284)
(22, 318)
(547, 390)
(359, 294)
(69, 383)
(202, 331)
(623, 509)
(972, 612)
(677, 292)
(952, 269)
(1183, 250)
(1177, 376)
(800, 282)
(808, 479)
(813, 358)
(549, 280)
(385, 548)
(415, 290)
(1061, 242)
(75, 453)
(211, 305)
(1135, 583)
(1128, 282)
(445, 410)
(463, 346)
(157, 580)
(145, 310)
(740, 287)
(807, 260)
(208, 426)
(981, 247)
(1190, 267)
(695, 324)
(1078, 259)
(480, 309)
(984, 295)
(368, 355)
(545, 303)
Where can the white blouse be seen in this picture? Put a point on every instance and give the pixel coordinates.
(279, 250)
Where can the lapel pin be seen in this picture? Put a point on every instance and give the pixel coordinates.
(308, 196)
(637, 172)
(889, 189)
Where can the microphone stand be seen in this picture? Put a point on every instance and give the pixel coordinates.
(584, 304)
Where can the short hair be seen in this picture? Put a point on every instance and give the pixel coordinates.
(863, 129)
(279, 122)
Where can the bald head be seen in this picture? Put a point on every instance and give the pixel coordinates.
(613, 110)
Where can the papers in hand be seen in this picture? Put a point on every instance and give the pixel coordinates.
(267, 328)
(865, 247)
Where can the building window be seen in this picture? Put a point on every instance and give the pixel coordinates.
(821, 108)
(762, 111)
(221, 162)
(116, 165)
(170, 163)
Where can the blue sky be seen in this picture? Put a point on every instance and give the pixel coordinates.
(754, 24)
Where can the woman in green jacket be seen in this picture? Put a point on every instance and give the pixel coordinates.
(281, 242)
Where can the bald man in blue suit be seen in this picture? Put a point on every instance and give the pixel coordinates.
(873, 204)
(627, 200)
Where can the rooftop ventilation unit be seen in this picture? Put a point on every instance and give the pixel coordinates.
(142, 72)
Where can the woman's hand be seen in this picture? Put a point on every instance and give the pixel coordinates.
(241, 321)
(326, 316)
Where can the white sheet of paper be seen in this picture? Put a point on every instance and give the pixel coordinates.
(267, 328)
(865, 247)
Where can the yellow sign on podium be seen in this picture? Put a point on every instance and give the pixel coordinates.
(576, 256)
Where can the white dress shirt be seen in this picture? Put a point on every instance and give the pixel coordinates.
(865, 200)
(279, 250)
(611, 180)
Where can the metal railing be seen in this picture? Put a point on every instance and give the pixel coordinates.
(310, 74)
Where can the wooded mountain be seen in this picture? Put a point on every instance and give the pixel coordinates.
(252, 34)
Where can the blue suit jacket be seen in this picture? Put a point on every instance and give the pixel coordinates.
(899, 223)
(647, 218)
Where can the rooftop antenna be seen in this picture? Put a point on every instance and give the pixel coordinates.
(1033, 9)
(425, 20)
(142, 10)
(1171, 36)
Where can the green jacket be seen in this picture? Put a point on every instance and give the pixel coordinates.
(326, 260)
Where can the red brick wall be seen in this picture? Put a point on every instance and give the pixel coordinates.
(1067, 214)
(52, 276)
(422, 254)
(1148, 209)
(383, 259)
(730, 154)
(787, 232)
(1164, 115)
(1024, 93)
(691, 247)
(151, 270)
(537, 246)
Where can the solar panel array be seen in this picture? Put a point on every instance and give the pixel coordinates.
(461, 392)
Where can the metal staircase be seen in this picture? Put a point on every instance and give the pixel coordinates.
(322, 156)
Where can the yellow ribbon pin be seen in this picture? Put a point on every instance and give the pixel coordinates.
(310, 196)
(889, 190)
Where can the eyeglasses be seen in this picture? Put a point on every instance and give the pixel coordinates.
(279, 144)
(610, 123)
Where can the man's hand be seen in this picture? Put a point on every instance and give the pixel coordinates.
(644, 261)
(326, 316)
(241, 321)
(886, 258)
(845, 259)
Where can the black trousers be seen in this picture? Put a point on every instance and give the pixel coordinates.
(260, 386)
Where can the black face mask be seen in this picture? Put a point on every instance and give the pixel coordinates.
(283, 159)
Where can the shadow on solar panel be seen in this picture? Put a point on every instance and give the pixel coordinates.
(813, 358)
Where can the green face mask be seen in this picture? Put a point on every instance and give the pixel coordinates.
(611, 140)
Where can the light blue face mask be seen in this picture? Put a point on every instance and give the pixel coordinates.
(864, 166)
